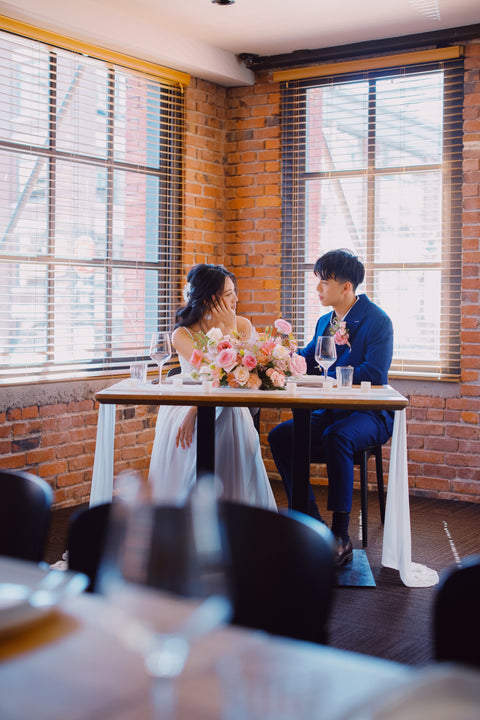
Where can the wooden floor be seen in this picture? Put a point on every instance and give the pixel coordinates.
(389, 621)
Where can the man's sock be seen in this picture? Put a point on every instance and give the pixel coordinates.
(340, 521)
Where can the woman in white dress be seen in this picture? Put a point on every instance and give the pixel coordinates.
(211, 301)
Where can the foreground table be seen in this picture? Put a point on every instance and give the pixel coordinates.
(75, 665)
(397, 539)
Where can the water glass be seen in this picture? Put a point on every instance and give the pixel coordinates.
(138, 372)
(345, 376)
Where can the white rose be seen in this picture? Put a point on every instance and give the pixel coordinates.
(241, 374)
(215, 334)
(280, 352)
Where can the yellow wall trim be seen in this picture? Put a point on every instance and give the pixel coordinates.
(376, 63)
(160, 73)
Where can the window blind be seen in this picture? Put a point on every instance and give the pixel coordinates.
(372, 162)
(90, 219)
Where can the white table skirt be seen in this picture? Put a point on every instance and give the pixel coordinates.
(397, 545)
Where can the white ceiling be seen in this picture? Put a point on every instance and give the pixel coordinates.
(204, 39)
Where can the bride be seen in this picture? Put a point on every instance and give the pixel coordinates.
(211, 301)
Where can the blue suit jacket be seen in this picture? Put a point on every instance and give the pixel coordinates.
(371, 345)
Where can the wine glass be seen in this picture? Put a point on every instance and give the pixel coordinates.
(165, 574)
(325, 352)
(160, 351)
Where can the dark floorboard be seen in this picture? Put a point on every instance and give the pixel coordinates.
(390, 620)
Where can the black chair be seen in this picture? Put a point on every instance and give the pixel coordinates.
(86, 539)
(361, 458)
(283, 571)
(456, 616)
(95, 537)
(281, 567)
(25, 504)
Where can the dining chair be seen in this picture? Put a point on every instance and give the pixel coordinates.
(95, 538)
(25, 505)
(283, 572)
(361, 458)
(280, 565)
(456, 616)
(86, 539)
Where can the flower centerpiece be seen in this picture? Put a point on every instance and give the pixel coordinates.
(263, 362)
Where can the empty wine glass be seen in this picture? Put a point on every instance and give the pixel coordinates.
(166, 578)
(160, 351)
(325, 352)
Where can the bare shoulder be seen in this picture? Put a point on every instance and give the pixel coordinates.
(182, 341)
(244, 326)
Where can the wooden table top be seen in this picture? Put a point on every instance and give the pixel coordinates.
(380, 397)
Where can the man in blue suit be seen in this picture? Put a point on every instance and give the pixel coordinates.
(366, 343)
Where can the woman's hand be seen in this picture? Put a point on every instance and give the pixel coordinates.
(223, 315)
(185, 431)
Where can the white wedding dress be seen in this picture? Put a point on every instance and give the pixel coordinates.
(238, 459)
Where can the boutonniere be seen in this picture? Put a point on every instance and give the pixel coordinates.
(340, 332)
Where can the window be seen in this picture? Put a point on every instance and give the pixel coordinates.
(372, 162)
(90, 211)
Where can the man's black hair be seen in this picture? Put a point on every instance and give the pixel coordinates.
(340, 265)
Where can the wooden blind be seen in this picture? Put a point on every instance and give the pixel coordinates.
(372, 162)
(91, 182)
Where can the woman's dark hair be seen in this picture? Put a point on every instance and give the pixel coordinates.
(340, 265)
(203, 283)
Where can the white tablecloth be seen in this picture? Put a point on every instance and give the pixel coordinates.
(397, 545)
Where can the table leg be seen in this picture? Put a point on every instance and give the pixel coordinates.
(301, 459)
(205, 439)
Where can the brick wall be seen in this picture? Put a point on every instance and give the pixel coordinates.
(233, 215)
(443, 418)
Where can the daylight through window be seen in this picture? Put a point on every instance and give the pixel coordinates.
(90, 212)
(372, 162)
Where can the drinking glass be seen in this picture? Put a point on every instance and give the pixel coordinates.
(160, 351)
(168, 558)
(325, 352)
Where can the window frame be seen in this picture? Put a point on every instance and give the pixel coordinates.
(295, 178)
(169, 171)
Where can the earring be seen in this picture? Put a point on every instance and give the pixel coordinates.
(208, 316)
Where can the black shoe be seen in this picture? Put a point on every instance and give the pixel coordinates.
(344, 552)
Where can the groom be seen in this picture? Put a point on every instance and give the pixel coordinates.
(364, 339)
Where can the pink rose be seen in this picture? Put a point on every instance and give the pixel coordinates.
(277, 378)
(196, 358)
(283, 326)
(249, 361)
(341, 336)
(223, 345)
(227, 359)
(297, 365)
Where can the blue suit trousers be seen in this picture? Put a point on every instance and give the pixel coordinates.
(335, 436)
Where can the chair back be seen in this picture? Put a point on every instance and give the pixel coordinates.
(283, 571)
(456, 614)
(25, 505)
(86, 539)
(280, 566)
(95, 539)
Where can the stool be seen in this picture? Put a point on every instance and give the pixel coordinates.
(361, 458)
